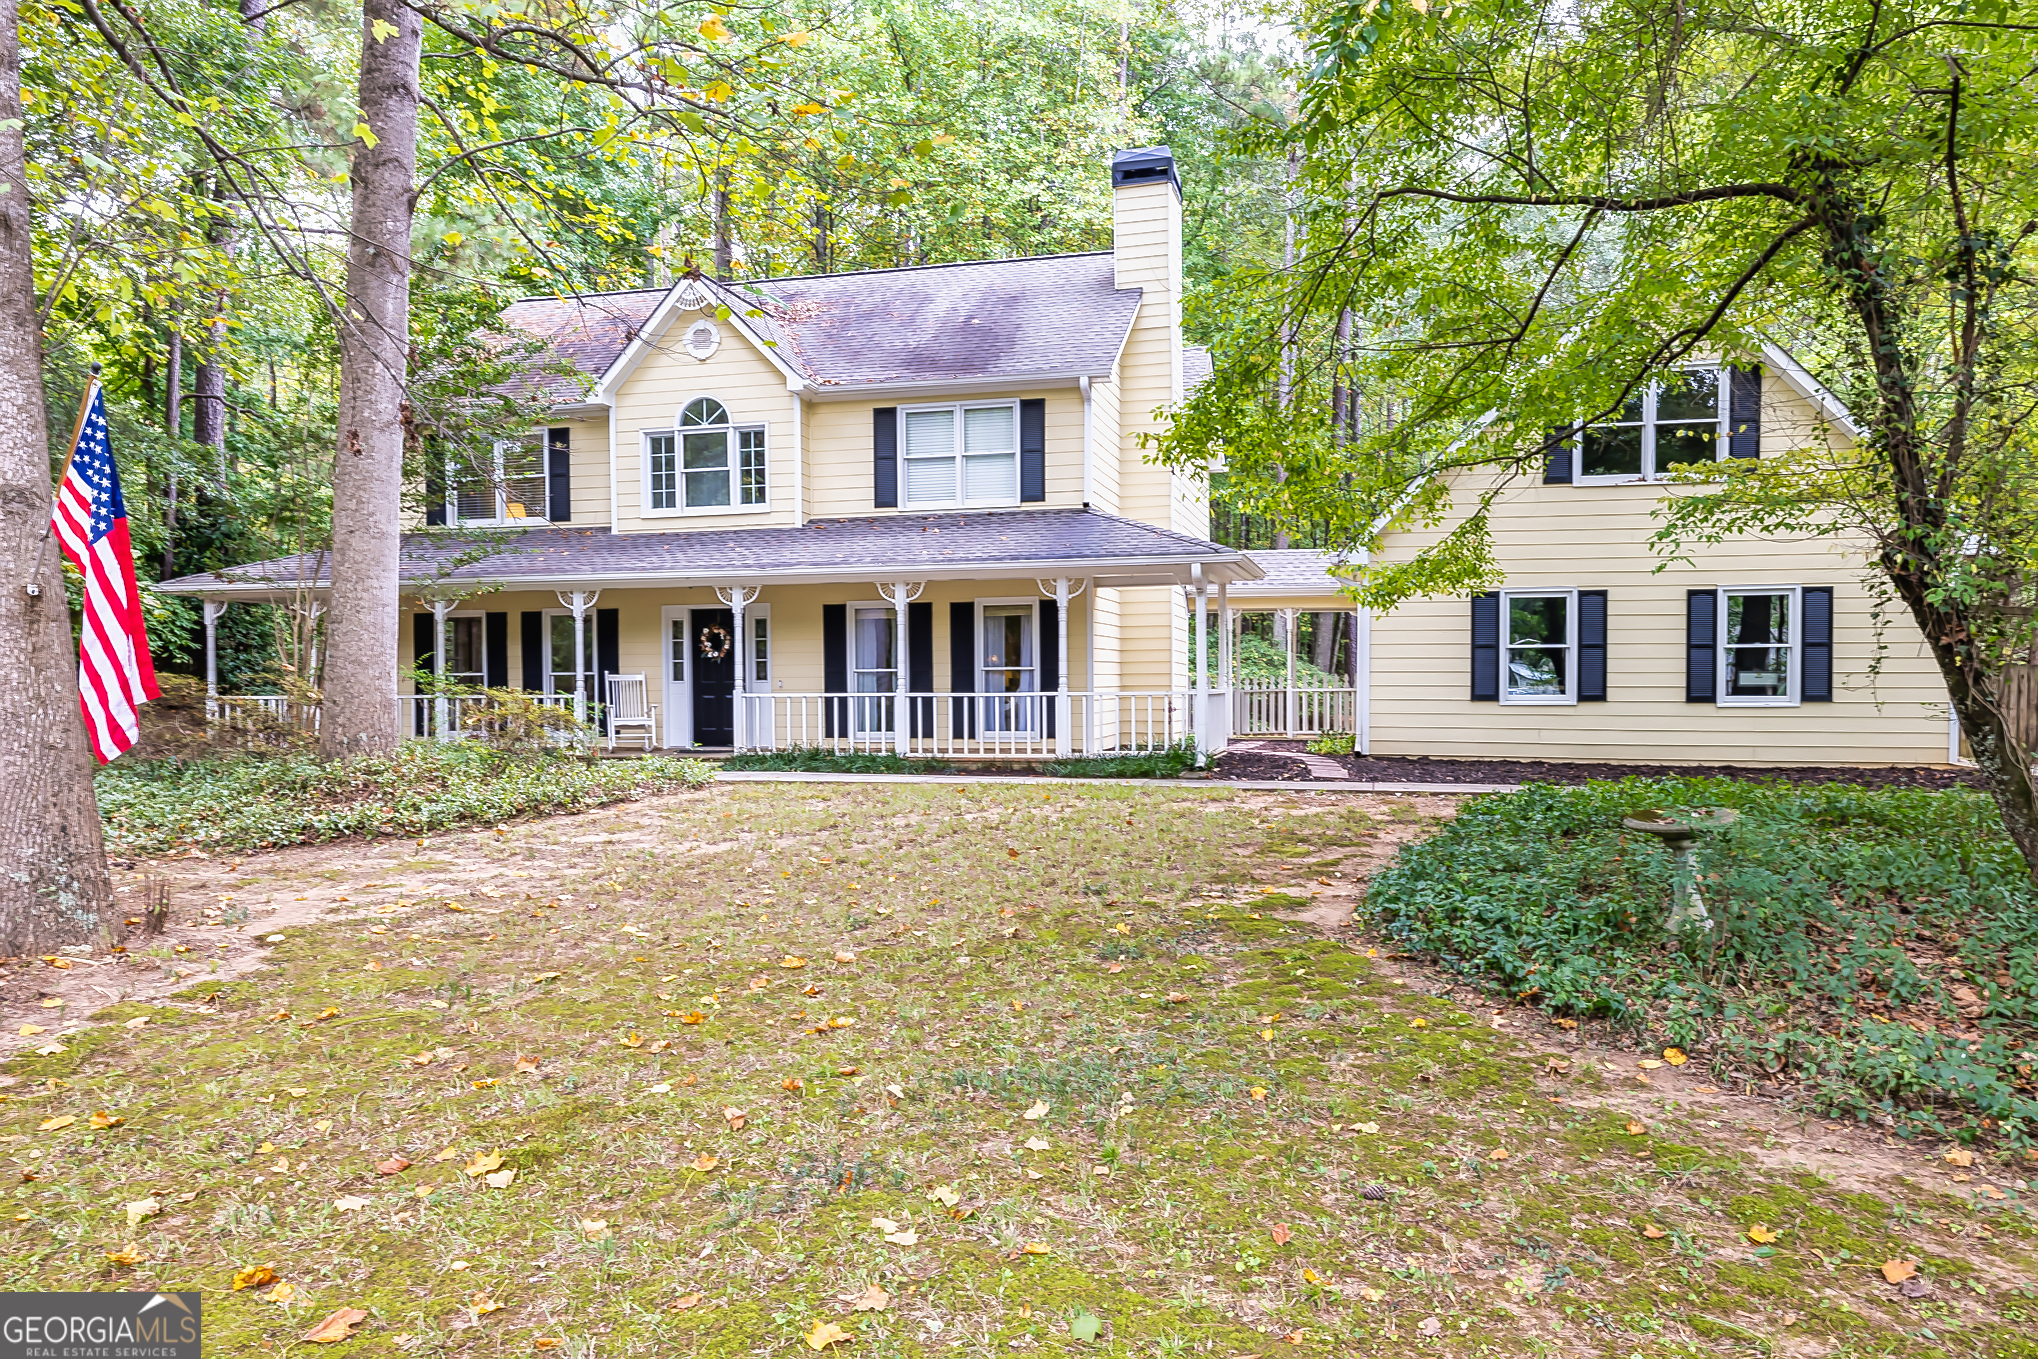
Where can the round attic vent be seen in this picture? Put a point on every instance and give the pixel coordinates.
(702, 339)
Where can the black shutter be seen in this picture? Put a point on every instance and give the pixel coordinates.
(435, 498)
(1557, 455)
(1050, 657)
(1592, 646)
(835, 668)
(1701, 645)
(534, 650)
(1744, 412)
(920, 665)
(962, 665)
(884, 443)
(607, 656)
(421, 637)
(1033, 449)
(1818, 644)
(559, 475)
(1486, 647)
(495, 650)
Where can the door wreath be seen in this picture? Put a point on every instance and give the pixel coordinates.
(715, 642)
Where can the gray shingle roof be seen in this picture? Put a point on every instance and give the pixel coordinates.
(1195, 366)
(931, 546)
(1292, 571)
(983, 319)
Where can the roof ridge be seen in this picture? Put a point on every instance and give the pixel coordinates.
(795, 278)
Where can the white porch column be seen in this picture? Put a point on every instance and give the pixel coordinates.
(579, 602)
(213, 609)
(1202, 635)
(440, 608)
(899, 594)
(1291, 617)
(739, 598)
(1063, 712)
(1224, 635)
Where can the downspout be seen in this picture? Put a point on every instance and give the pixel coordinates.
(1083, 383)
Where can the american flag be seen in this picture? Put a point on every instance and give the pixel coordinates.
(115, 674)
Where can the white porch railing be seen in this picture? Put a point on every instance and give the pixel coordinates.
(450, 717)
(1271, 708)
(976, 726)
(248, 710)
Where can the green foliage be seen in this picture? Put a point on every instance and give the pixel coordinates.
(1160, 762)
(1254, 657)
(1880, 946)
(517, 721)
(159, 806)
(1332, 743)
(821, 760)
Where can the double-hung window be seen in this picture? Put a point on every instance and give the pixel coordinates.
(961, 455)
(1682, 419)
(505, 485)
(1539, 646)
(1758, 650)
(708, 464)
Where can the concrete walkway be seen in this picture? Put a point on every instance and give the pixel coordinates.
(1260, 785)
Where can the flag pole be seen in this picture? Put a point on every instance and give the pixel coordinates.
(48, 528)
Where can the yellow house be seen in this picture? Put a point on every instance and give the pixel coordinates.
(897, 509)
(1752, 651)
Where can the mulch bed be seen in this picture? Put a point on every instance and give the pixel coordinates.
(1271, 764)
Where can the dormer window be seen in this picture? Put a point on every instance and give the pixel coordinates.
(708, 465)
(1681, 420)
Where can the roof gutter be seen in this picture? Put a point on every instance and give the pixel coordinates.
(934, 387)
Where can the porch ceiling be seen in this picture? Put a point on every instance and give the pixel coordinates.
(980, 545)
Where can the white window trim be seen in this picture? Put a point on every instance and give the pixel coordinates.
(678, 693)
(977, 680)
(502, 519)
(957, 408)
(858, 710)
(751, 684)
(1650, 472)
(674, 432)
(469, 613)
(590, 655)
(1569, 698)
(1795, 645)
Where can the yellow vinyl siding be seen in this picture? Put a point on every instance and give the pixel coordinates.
(840, 450)
(588, 457)
(1597, 537)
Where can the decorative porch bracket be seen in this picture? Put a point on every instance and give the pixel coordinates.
(739, 598)
(899, 594)
(1058, 588)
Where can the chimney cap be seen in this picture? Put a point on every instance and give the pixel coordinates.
(1144, 165)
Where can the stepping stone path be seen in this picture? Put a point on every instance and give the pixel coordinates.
(1319, 766)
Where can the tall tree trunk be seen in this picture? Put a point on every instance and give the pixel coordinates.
(725, 248)
(359, 715)
(54, 887)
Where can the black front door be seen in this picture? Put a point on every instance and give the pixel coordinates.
(713, 641)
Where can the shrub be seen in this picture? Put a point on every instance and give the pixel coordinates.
(1332, 743)
(155, 806)
(1881, 946)
(821, 760)
(1161, 762)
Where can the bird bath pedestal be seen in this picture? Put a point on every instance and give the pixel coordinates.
(1679, 832)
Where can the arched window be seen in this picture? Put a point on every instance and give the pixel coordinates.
(709, 463)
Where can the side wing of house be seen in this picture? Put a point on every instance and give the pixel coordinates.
(1596, 647)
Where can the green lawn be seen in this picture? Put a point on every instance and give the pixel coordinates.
(1068, 1043)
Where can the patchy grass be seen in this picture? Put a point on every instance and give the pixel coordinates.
(821, 760)
(1880, 946)
(258, 802)
(1090, 1017)
(1165, 762)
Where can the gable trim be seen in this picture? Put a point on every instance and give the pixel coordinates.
(647, 337)
(1805, 385)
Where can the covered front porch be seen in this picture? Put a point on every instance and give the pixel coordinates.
(1077, 644)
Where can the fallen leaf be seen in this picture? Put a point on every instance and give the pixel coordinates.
(130, 1255)
(686, 1303)
(526, 1063)
(790, 961)
(595, 1229)
(256, 1276)
(1430, 1326)
(909, 1237)
(1497, 1154)
(848, 1070)
(30, 1030)
(1636, 1129)
(844, 956)
(693, 1017)
(1034, 1248)
(704, 1162)
(1372, 1295)
(1648, 1064)
(884, 1224)
(1086, 1327)
(945, 1195)
(826, 1333)
(1762, 1235)
(1115, 968)
(1896, 1271)
(1177, 998)
(1675, 1056)
(323, 1125)
(1653, 1232)
(736, 1117)
(395, 1165)
(484, 1304)
(1418, 1023)
(281, 1293)
(483, 1162)
(103, 1119)
(449, 1154)
(1369, 1129)
(60, 1121)
(1311, 1276)
(793, 1083)
(350, 1203)
(136, 1022)
(1293, 1337)
(502, 1179)
(1258, 1092)
(1281, 1233)
(631, 1041)
(142, 1209)
(662, 1088)
(337, 1327)
(1960, 1156)
(1038, 1111)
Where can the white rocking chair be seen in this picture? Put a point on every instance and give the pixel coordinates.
(630, 712)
